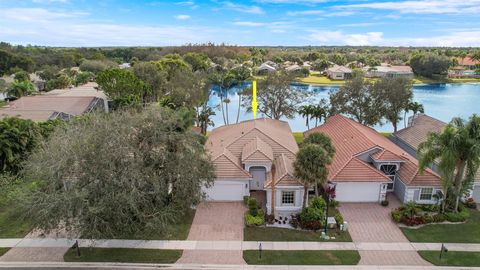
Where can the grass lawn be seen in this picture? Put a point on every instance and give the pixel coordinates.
(290, 235)
(12, 223)
(452, 258)
(302, 257)
(468, 232)
(3, 251)
(298, 137)
(125, 255)
(177, 231)
(319, 79)
(386, 134)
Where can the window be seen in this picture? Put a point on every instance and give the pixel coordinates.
(288, 197)
(426, 194)
(389, 170)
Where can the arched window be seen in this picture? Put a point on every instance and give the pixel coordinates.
(390, 171)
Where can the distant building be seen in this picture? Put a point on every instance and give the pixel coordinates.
(468, 63)
(293, 68)
(462, 72)
(389, 71)
(339, 72)
(266, 67)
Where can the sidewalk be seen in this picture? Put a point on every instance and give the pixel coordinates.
(233, 245)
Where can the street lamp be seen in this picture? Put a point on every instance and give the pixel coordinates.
(330, 192)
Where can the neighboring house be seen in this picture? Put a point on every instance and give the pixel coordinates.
(468, 63)
(266, 68)
(255, 156)
(417, 132)
(386, 70)
(461, 72)
(339, 72)
(89, 89)
(367, 165)
(43, 108)
(293, 68)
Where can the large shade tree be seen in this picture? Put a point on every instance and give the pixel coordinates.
(456, 150)
(118, 175)
(276, 98)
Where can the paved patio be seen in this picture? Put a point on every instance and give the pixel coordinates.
(371, 222)
(216, 221)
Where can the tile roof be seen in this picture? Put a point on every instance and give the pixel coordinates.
(352, 139)
(467, 61)
(284, 173)
(40, 108)
(337, 68)
(419, 129)
(270, 137)
(257, 146)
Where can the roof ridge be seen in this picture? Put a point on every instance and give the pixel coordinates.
(224, 153)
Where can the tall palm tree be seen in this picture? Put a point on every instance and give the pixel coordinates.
(457, 150)
(310, 167)
(306, 111)
(319, 111)
(224, 80)
(415, 107)
(204, 119)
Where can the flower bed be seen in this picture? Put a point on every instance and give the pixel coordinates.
(412, 214)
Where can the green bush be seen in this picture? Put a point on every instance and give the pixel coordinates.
(245, 200)
(428, 218)
(311, 214)
(429, 207)
(254, 220)
(439, 218)
(397, 215)
(253, 207)
(339, 218)
(457, 217)
(334, 203)
(318, 203)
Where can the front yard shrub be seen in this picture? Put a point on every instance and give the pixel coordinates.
(396, 216)
(245, 200)
(471, 203)
(313, 225)
(270, 218)
(413, 221)
(384, 203)
(318, 203)
(310, 213)
(254, 220)
(339, 218)
(252, 206)
(334, 203)
(428, 218)
(457, 217)
(439, 218)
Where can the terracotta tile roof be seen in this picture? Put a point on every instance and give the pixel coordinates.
(284, 173)
(266, 133)
(352, 139)
(337, 68)
(36, 107)
(357, 170)
(385, 155)
(257, 149)
(229, 166)
(418, 131)
(467, 61)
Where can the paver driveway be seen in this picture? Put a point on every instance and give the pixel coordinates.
(371, 222)
(221, 221)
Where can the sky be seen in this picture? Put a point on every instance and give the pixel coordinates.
(91, 23)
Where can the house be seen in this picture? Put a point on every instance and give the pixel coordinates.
(255, 156)
(461, 72)
(367, 166)
(293, 68)
(417, 132)
(42, 108)
(468, 63)
(339, 72)
(266, 67)
(386, 70)
(89, 89)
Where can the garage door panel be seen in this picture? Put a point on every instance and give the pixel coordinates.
(225, 191)
(358, 192)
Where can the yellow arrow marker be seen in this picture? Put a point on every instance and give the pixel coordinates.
(254, 100)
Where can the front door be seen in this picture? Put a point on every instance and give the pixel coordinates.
(259, 174)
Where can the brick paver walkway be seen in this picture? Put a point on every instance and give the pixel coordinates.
(216, 221)
(371, 222)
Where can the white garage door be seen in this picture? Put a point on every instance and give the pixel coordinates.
(358, 192)
(226, 191)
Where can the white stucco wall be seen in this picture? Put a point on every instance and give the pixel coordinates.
(285, 210)
(358, 191)
(411, 195)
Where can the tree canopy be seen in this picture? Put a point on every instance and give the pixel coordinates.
(118, 175)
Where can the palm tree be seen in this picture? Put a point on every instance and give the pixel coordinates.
(311, 167)
(323, 140)
(306, 111)
(319, 111)
(21, 88)
(457, 150)
(224, 80)
(415, 107)
(204, 119)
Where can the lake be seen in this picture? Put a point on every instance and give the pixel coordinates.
(442, 101)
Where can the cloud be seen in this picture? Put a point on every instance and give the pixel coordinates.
(247, 23)
(37, 14)
(182, 17)
(186, 3)
(306, 12)
(308, 2)
(421, 7)
(340, 38)
(49, 1)
(243, 8)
